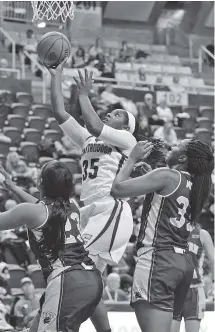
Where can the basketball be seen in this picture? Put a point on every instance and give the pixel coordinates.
(53, 48)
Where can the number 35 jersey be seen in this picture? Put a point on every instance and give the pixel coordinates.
(73, 254)
(100, 164)
(165, 219)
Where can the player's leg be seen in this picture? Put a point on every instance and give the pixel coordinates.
(155, 280)
(152, 319)
(106, 235)
(195, 308)
(99, 317)
(175, 327)
(192, 325)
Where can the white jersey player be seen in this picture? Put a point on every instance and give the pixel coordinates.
(106, 223)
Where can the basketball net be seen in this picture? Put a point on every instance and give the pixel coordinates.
(51, 10)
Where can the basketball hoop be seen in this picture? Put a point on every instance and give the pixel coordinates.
(51, 10)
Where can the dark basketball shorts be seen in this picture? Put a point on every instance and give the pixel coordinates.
(162, 278)
(194, 305)
(69, 300)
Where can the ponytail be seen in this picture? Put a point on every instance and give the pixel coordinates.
(54, 233)
(200, 166)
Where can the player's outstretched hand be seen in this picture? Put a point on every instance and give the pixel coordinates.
(141, 151)
(58, 69)
(5, 178)
(85, 83)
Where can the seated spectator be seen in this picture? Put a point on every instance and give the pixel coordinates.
(17, 167)
(95, 50)
(147, 108)
(78, 58)
(112, 291)
(167, 134)
(67, 148)
(3, 65)
(163, 111)
(26, 308)
(4, 326)
(176, 86)
(124, 52)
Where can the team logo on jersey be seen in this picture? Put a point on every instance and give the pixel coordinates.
(48, 317)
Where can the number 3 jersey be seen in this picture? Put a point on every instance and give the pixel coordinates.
(100, 164)
(165, 219)
(73, 254)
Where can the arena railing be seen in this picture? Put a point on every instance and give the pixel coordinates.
(11, 70)
(12, 41)
(36, 63)
(188, 38)
(203, 50)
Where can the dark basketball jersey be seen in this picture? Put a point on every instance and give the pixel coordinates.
(165, 219)
(197, 249)
(73, 255)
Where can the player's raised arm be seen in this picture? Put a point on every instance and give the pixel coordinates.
(68, 124)
(19, 193)
(154, 181)
(120, 138)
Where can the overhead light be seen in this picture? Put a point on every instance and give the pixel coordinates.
(41, 25)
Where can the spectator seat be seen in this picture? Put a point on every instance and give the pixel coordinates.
(4, 147)
(14, 134)
(36, 122)
(24, 97)
(7, 97)
(35, 274)
(20, 109)
(17, 121)
(180, 132)
(204, 135)
(207, 112)
(193, 111)
(43, 111)
(189, 125)
(205, 123)
(16, 274)
(29, 151)
(2, 160)
(52, 134)
(53, 124)
(32, 135)
(4, 111)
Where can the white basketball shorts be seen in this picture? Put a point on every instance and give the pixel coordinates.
(106, 227)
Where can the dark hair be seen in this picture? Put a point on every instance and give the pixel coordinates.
(200, 166)
(57, 183)
(155, 159)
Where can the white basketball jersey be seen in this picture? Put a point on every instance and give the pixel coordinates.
(100, 164)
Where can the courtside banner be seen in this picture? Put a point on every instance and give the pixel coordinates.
(126, 322)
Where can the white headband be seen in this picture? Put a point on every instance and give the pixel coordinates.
(131, 122)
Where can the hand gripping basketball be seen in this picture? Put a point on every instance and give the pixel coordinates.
(86, 83)
(58, 70)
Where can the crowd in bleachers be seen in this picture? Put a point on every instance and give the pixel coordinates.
(30, 136)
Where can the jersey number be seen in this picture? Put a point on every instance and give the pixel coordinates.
(183, 203)
(93, 167)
